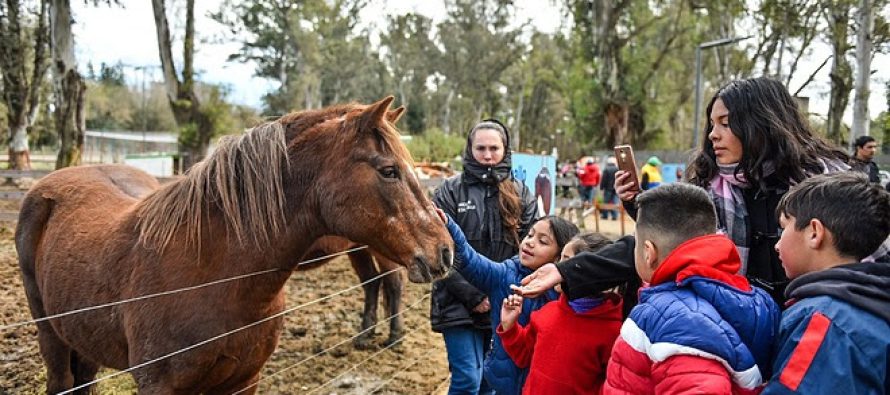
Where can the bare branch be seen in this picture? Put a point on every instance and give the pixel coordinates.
(812, 76)
(163, 31)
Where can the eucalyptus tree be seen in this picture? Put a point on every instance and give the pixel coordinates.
(197, 122)
(68, 86)
(412, 56)
(311, 48)
(23, 64)
(478, 45)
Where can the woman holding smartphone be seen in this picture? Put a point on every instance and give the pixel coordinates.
(757, 144)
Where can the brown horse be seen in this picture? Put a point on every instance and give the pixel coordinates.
(367, 264)
(98, 234)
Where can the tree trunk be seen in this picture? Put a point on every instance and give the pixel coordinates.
(19, 154)
(863, 71)
(607, 48)
(446, 119)
(20, 95)
(68, 85)
(195, 128)
(841, 73)
(616, 123)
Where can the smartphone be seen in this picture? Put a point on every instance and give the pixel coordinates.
(624, 154)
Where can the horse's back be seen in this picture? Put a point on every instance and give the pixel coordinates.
(120, 180)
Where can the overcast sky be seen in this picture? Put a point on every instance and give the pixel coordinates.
(128, 35)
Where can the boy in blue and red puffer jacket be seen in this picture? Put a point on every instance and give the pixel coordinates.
(699, 326)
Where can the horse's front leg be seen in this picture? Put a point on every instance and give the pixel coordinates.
(363, 264)
(392, 290)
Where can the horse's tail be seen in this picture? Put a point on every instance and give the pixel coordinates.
(34, 214)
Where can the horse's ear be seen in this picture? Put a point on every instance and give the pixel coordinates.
(394, 115)
(374, 114)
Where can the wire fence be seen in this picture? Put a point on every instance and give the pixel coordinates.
(338, 344)
(170, 292)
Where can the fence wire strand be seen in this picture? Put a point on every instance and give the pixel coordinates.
(170, 292)
(222, 335)
(401, 370)
(370, 357)
(327, 350)
(442, 384)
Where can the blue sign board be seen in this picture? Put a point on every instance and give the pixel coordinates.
(538, 173)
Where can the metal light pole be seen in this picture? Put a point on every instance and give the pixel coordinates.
(709, 44)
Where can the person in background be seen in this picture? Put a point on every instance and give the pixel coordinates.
(589, 178)
(866, 147)
(608, 187)
(650, 174)
(568, 179)
(495, 211)
(834, 338)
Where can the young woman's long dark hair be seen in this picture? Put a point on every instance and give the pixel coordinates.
(776, 138)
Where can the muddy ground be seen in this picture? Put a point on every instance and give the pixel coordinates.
(417, 366)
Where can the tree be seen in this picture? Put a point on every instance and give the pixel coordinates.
(310, 48)
(23, 65)
(412, 56)
(535, 87)
(864, 47)
(836, 14)
(478, 45)
(69, 86)
(196, 126)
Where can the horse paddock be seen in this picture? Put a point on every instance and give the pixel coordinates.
(416, 366)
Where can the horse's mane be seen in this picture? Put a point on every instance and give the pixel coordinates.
(243, 178)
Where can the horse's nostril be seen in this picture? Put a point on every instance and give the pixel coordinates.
(447, 258)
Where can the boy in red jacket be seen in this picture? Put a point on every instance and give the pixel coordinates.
(699, 327)
(566, 344)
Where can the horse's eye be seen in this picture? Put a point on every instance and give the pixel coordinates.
(389, 172)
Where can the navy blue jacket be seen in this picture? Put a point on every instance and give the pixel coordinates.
(835, 338)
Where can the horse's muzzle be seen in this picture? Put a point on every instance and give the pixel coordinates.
(424, 271)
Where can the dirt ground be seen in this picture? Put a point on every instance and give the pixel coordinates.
(416, 366)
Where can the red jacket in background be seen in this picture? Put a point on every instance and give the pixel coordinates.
(589, 175)
(567, 352)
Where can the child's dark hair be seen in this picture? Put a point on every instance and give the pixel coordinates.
(591, 241)
(855, 211)
(675, 213)
(563, 231)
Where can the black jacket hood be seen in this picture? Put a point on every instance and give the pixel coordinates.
(865, 285)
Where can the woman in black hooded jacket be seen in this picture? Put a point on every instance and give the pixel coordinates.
(494, 211)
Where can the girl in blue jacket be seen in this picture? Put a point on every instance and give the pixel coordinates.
(541, 245)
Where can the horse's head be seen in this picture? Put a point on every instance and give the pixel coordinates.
(364, 187)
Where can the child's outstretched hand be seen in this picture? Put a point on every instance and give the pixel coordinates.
(542, 279)
(510, 310)
(442, 216)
